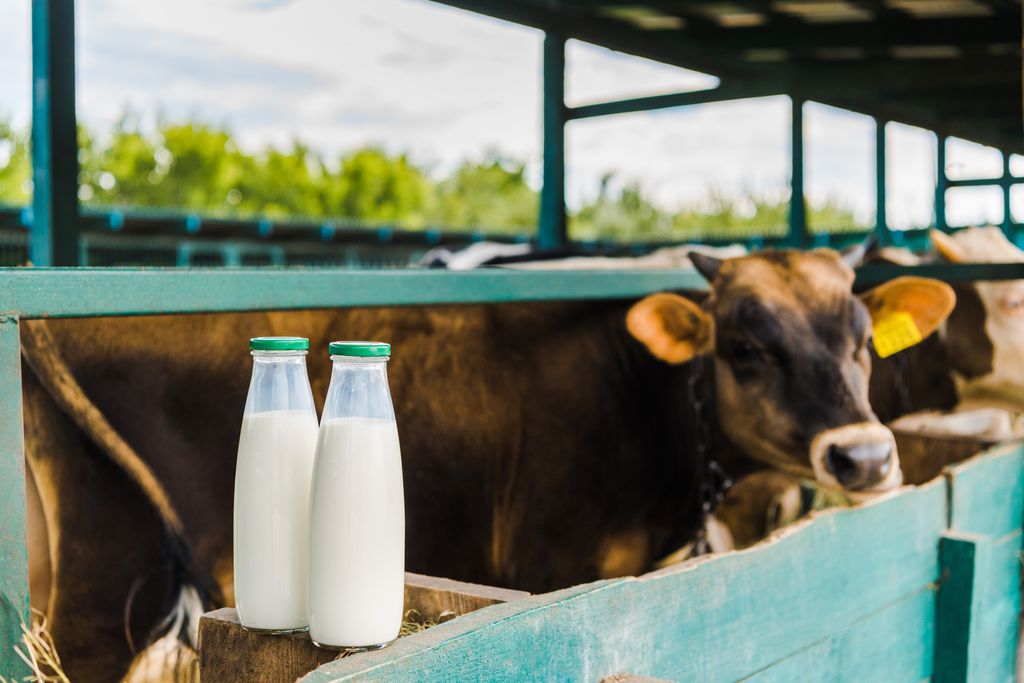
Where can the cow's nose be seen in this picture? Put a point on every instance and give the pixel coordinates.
(859, 466)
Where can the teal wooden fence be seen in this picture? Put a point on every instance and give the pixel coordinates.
(927, 577)
(81, 292)
(923, 585)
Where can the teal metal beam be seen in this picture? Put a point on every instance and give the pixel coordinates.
(1006, 182)
(13, 549)
(798, 234)
(947, 272)
(89, 292)
(941, 183)
(881, 220)
(84, 292)
(54, 231)
(552, 231)
(722, 93)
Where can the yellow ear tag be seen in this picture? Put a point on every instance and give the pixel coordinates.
(895, 332)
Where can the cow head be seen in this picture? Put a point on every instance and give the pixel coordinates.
(985, 333)
(790, 346)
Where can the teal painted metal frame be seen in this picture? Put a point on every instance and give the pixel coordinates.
(799, 238)
(55, 225)
(552, 229)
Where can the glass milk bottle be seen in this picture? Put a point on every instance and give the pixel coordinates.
(272, 477)
(357, 539)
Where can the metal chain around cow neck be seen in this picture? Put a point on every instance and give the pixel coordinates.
(714, 482)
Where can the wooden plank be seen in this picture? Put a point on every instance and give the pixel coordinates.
(986, 519)
(13, 549)
(631, 678)
(924, 457)
(994, 638)
(894, 644)
(988, 492)
(717, 619)
(978, 608)
(957, 604)
(228, 652)
(432, 596)
(44, 293)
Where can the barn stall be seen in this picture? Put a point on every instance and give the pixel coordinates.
(924, 583)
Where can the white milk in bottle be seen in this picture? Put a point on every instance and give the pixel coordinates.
(276, 450)
(357, 540)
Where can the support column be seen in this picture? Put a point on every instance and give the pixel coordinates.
(552, 230)
(798, 233)
(1007, 181)
(941, 183)
(881, 219)
(53, 239)
(13, 548)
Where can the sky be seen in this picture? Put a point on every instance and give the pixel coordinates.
(446, 85)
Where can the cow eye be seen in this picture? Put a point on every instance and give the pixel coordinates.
(744, 352)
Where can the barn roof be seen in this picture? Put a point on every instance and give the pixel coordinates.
(953, 66)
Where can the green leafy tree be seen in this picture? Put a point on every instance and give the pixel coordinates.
(491, 194)
(199, 167)
(15, 166)
(625, 215)
(374, 186)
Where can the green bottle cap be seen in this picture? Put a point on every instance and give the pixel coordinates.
(279, 344)
(362, 349)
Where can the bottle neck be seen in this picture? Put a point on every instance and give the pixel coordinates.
(359, 388)
(279, 357)
(279, 382)
(361, 360)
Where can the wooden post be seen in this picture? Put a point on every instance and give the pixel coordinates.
(552, 230)
(53, 239)
(13, 549)
(956, 617)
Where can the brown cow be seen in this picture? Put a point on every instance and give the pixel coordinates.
(543, 444)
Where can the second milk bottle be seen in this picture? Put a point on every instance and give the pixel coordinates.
(272, 477)
(357, 539)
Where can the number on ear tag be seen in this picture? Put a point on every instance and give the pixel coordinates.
(895, 332)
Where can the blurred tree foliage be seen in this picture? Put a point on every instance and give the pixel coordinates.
(199, 167)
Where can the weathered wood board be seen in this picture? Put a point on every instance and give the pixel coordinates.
(986, 516)
(228, 652)
(923, 584)
(844, 584)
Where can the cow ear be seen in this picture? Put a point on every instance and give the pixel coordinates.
(929, 302)
(946, 246)
(672, 328)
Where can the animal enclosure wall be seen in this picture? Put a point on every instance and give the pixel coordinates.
(924, 584)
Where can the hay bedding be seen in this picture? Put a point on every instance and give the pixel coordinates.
(159, 663)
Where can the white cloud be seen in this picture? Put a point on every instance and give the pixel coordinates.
(444, 84)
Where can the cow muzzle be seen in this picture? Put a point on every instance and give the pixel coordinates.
(858, 458)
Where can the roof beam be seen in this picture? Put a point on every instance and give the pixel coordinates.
(891, 32)
(720, 94)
